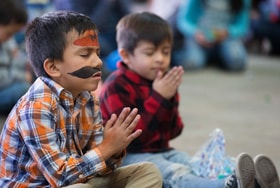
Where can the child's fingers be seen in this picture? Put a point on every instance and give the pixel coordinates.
(159, 75)
(126, 117)
(111, 121)
(173, 73)
(131, 126)
(122, 116)
(179, 75)
(131, 118)
(134, 135)
(174, 76)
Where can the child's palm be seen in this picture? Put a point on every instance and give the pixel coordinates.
(168, 84)
(120, 131)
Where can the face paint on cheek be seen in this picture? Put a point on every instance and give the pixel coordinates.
(89, 38)
(85, 72)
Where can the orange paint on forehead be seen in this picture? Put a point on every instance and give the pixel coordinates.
(89, 38)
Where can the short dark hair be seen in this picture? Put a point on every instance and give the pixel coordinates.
(46, 36)
(12, 11)
(144, 26)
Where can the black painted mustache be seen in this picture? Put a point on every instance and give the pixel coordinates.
(85, 72)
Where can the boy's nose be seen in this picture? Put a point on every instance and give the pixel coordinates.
(159, 57)
(97, 62)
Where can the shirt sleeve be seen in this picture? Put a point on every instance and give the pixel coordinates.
(240, 24)
(188, 15)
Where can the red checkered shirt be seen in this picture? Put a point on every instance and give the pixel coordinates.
(160, 119)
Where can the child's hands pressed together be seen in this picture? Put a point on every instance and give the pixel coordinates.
(167, 85)
(119, 132)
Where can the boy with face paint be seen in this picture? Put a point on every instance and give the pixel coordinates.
(15, 78)
(54, 136)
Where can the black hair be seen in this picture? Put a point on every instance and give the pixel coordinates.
(12, 11)
(46, 36)
(236, 5)
(144, 26)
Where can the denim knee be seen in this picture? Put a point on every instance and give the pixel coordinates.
(233, 54)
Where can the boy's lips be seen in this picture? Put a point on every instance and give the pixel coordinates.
(98, 74)
(159, 69)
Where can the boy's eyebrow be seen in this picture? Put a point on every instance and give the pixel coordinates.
(86, 48)
(156, 47)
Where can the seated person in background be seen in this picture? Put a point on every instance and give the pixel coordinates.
(54, 136)
(213, 30)
(265, 24)
(145, 81)
(15, 78)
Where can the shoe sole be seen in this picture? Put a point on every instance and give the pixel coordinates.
(266, 172)
(245, 171)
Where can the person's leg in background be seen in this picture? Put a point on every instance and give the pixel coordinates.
(233, 55)
(268, 30)
(175, 169)
(192, 56)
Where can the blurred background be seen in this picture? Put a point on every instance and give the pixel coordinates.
(236, 90)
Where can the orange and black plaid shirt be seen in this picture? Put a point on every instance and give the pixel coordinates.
(49, 140)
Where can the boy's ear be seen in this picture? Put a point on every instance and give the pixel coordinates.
(51, 68)
(124, 55)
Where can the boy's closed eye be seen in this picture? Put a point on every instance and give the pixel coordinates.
(149, 53)
(85, 53)
(166, 52)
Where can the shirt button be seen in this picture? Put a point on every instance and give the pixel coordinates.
(81, 176)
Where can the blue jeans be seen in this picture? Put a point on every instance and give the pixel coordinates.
(175, 168)
(231, 53)
(10, 95)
